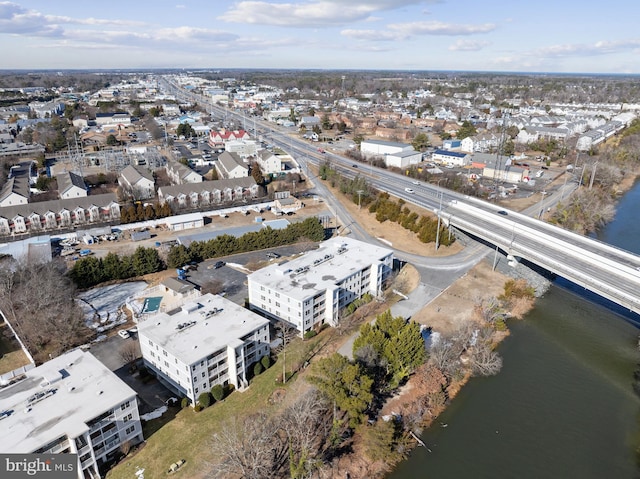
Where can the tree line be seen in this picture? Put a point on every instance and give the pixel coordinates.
(144, 212)
(224, 245)
(90, 271)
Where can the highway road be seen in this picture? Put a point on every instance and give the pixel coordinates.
(609, 271)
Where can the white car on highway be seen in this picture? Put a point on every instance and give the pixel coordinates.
(409, 190)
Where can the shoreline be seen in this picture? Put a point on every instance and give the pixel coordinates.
(408, 391)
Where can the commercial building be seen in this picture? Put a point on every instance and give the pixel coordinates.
(209, 341)
(71, 404)
(312, 290)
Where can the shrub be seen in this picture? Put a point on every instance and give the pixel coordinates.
(197, 408)
(310, 334)
(266, 362)
(184, 403)
(204, 400)
(217, 392)
(257, 369)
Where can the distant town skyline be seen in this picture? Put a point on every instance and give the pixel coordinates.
(465, 35)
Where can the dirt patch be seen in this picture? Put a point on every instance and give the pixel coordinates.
(392, 233)
(454, 307)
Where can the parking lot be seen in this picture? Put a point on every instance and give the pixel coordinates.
(231, 279)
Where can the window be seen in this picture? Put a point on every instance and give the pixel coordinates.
(196, 390)
(127, 418)
(125, 405)
(202, 373)
(129, 430)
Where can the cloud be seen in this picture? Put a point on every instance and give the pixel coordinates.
(17, 20)
(580, 49)
(181, 6)
(440, 28)
(468, 46)
(310, 13)
(403, 31)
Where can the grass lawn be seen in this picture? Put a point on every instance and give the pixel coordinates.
(11, 355)
(187, 435)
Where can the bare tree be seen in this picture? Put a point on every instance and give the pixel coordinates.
(484, 360)
(38, 301)
(214, 286)
(129, 351)
(246, 448)
(445, 355)
(305, 426)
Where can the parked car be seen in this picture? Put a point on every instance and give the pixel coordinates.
(219, 264)
(124, 334)
(273, 255)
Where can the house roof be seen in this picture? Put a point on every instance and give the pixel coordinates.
(68, 180)
(455, 154)
(133, 175)
(178, 285)
(17, 185)
(230, 161)
(216, 185)
(387, 143)
(58, 205)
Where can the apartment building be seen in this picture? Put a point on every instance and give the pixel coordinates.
(209, 341)
(71, 404)
(312, 289)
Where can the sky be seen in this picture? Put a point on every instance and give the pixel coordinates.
(563, 36)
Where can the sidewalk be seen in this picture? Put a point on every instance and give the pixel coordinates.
(417, 299)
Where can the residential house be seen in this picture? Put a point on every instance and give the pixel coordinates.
(71, 185)
(180, 174)
(208, 193)
(269, 163)
(210, 341)
(230, 165)
(483, 142)
(309, 122)
(113, 120)
(137, 182)
(71, 404)
(311, 290)
(63, 214)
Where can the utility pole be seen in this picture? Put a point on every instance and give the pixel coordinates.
(359, 195)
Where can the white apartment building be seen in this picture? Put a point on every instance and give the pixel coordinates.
(71, 404)
(208, 341)
(312, 289)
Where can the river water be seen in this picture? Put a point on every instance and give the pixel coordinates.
(562, 406)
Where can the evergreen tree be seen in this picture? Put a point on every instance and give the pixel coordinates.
(344, 383)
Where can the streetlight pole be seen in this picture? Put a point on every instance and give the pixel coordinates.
(541, 204)
(359, 195)
(438, 229)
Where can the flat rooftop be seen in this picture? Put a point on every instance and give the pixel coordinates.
(56, 399)
(201, 327)
(320, 269)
